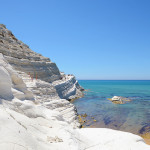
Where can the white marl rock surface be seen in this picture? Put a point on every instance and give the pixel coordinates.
(34, 114)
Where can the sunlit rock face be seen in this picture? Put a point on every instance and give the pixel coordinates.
(11, 85)
(31, 65)
(22, 58)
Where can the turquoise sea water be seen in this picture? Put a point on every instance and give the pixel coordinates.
(132, 116)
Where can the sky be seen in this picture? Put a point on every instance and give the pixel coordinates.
(92, 39)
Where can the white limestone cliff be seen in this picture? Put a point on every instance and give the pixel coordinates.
(34, 113)
(24, 60)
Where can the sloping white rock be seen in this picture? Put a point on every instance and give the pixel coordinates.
(108, 139)
(24, 125)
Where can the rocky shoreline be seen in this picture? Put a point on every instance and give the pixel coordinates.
(89, 122)
(35, 112)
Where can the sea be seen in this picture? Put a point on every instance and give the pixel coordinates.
(133, 116)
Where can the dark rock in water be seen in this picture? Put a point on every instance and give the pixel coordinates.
(107, 120)
(145, 129)
(144, 132)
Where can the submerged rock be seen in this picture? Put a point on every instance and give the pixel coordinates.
(145, 133)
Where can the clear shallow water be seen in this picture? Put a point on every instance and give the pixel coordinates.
(132, 116)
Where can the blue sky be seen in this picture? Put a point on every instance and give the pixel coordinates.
(92, 39)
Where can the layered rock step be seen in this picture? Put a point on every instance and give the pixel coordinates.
(46, 94)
